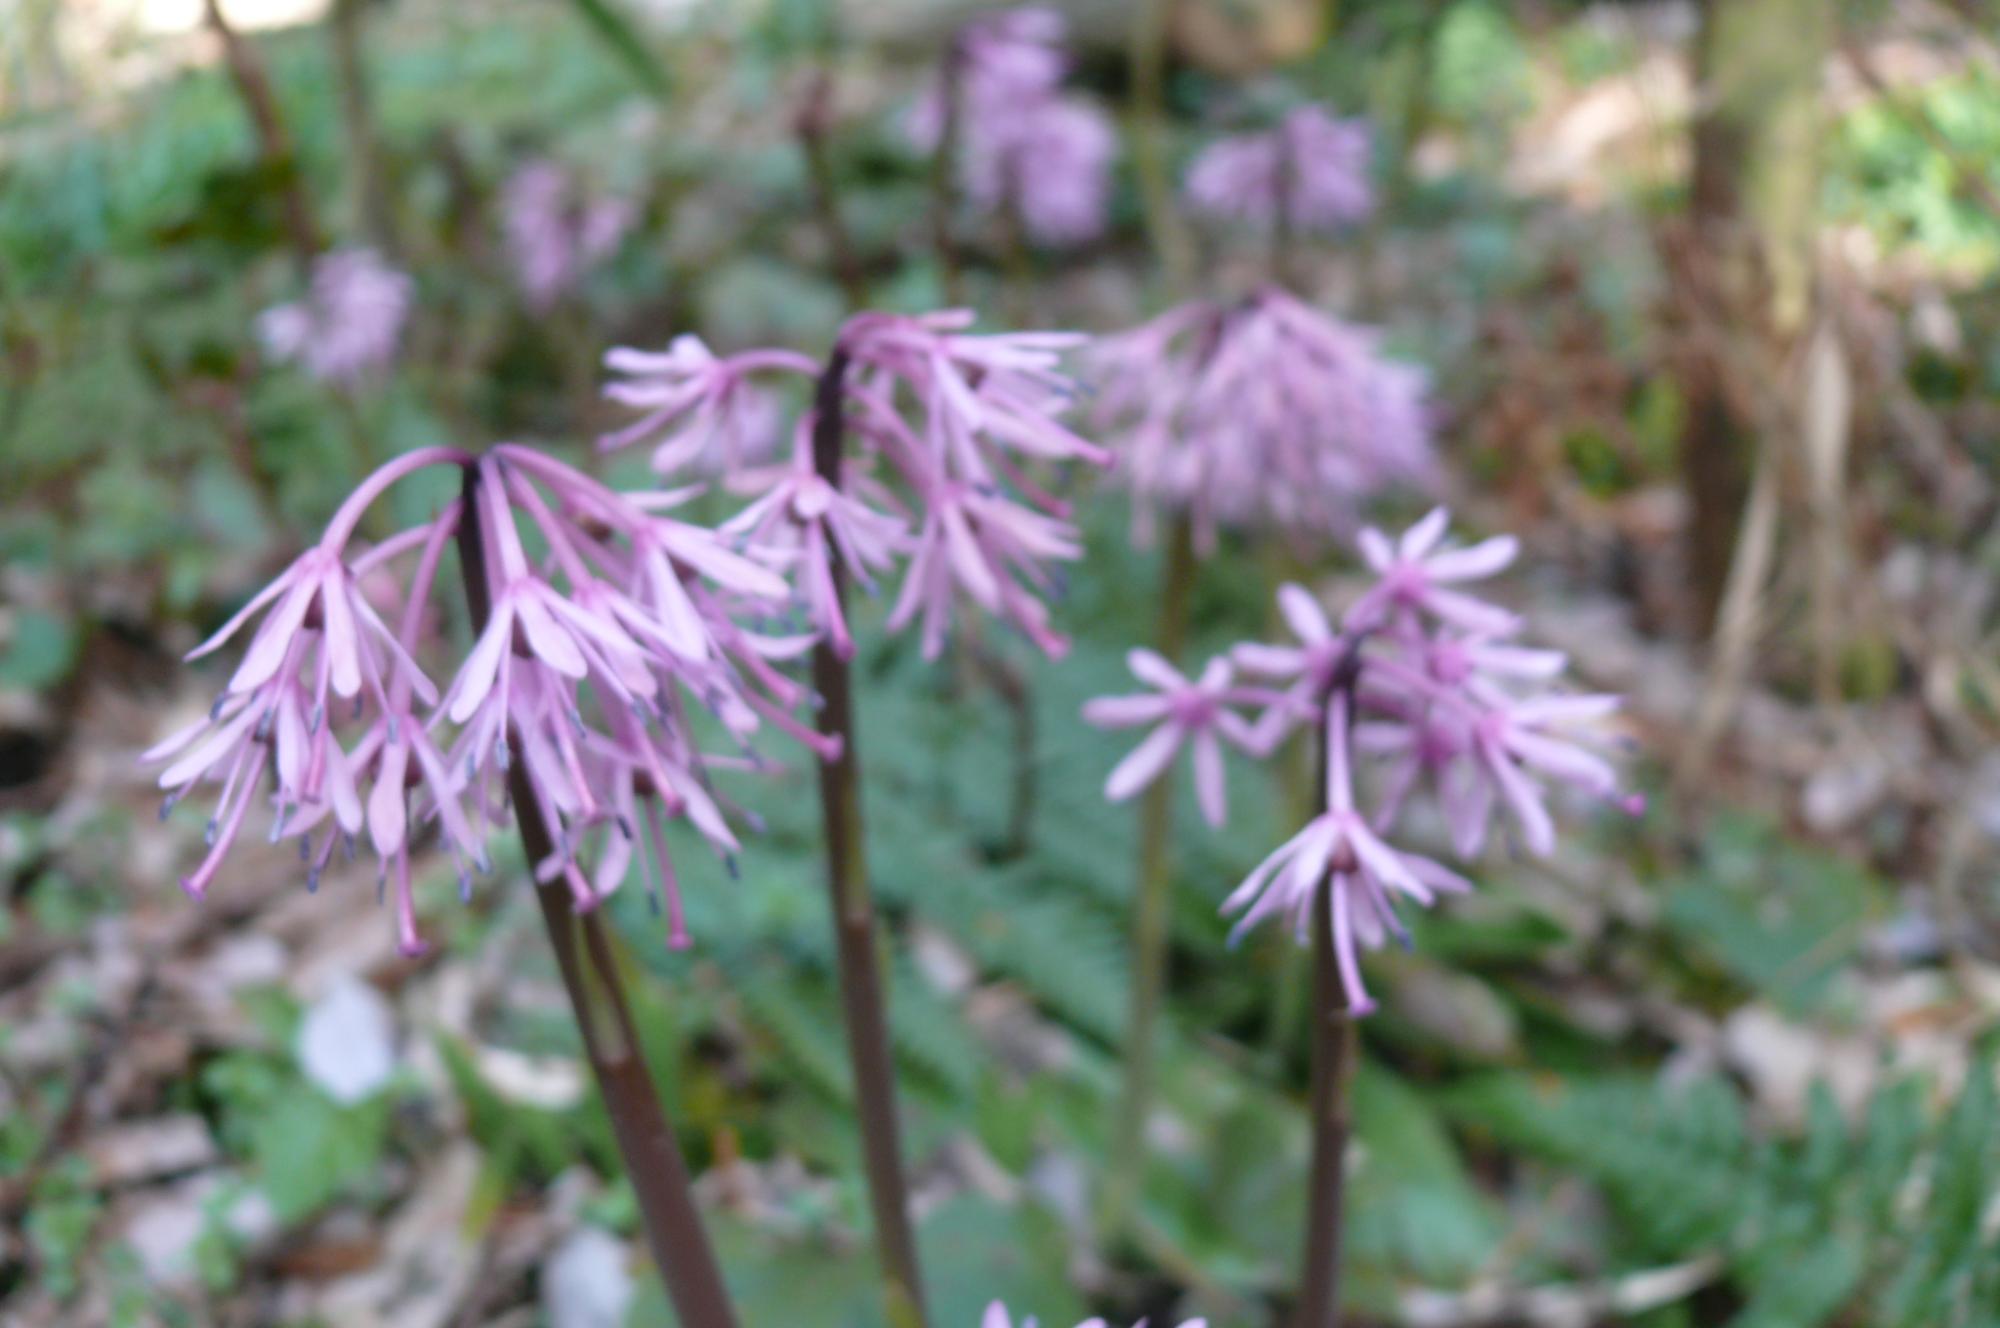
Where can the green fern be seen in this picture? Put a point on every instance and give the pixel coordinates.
(1879, 1222)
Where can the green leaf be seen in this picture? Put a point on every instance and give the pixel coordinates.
(313, 1150)
(40, 649)
(617, 33)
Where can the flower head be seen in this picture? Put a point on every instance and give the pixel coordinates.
(1194, 714)
(1265, 413)
(1312, 169)
(554, 233)
(1340, 852)
(348, 324)
(940, 425)
(574, 695)
(1022, 146)
(1427, 687)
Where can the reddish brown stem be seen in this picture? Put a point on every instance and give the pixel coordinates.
(863, 1007)
(653, 1161)
(274, 144)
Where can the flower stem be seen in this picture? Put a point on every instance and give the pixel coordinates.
(1149, 917)
(1333, 1056)
(943, 168)
(863, 1007)
(582, 943)
(1169, 236)
(814, 120)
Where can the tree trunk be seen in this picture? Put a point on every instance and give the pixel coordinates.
(1747, 271)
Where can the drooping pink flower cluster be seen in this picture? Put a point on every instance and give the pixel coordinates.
(555, 231)
(349, 322)
(1422, 684)
(996, 1316)
(1311, 169)
(947, 434)
(1264, 413)
(1023, 146)
(580, 684)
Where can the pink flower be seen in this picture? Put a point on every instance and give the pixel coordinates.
(1193, 714)
(802, 513)
(348, 324)
(1313, 165)
(554, 233)
(1415, 571)
(701, 410)
(1049, 162)
(1023, 147)
(1264, 414)
(577, 685)
(1339, 848)
(952, 426)
(1001, 63)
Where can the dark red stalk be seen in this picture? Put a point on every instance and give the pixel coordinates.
(590, 975)
(1333, 1057)
(863, 1007)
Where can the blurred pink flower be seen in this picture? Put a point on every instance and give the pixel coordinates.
(1265, 413)
(1050, 163)
(1414, 572)
(349, 322)
(1195, 714)
(1313, 165)
(701, 410)
(803, 514)
(1022, 146)
(555, 234)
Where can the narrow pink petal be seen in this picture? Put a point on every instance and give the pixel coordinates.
(1475, 561)
(475, 677)
(550, 641)
(388, 816)
(1303, 614)
(1124, 712)
(342, 645)
(1143, 764)
(968, 560)
(284, 583)
(1421, 538)
(274, 638)
(1211, 790)
(210, 751)
(1152, 668)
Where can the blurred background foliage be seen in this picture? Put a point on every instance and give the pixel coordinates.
(1724, 1065)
